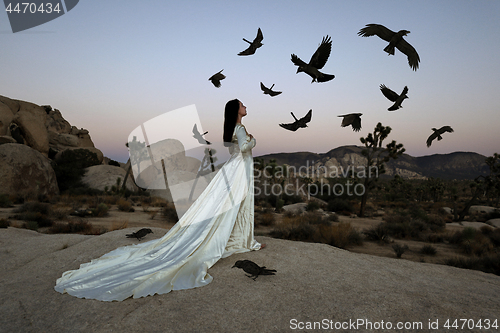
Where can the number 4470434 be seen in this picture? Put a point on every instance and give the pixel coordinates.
(27, 7)
(470, 324)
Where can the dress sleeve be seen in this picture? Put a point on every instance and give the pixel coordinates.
(244, 141)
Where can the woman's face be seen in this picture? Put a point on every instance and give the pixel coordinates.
(242, 111)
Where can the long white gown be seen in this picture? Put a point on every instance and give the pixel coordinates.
(219, 223)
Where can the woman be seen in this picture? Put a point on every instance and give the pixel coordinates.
(218, 224)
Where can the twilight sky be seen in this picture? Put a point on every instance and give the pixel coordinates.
(110, 66)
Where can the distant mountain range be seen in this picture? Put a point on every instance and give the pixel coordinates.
(457, 165)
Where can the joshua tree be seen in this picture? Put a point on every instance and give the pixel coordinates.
(377, 157)
(489, 185)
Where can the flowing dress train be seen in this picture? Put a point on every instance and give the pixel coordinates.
(219, 223)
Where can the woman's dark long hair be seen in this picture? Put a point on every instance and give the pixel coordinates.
(230, 117)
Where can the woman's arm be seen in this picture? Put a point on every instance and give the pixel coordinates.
(245, 142)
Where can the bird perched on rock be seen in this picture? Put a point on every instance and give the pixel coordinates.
(437, 134)
(140, 233)
(394, 97)
(216, 78)
(257, 42)
(353, 119)
(253, 269)
(302, 122)
(395, 40)
(318, 60)
(198, 136)
(269, 91)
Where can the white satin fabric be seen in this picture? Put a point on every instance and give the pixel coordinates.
(218, 224)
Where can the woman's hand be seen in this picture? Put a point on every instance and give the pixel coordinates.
(251, 136)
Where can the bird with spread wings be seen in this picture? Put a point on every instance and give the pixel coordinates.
(437, 134)
(198, 136)
(298, 123)
(394, 97)
(216, 78)
(353, 119)
(269, 91)
(318, 60)
(395, 40)
(257, 42)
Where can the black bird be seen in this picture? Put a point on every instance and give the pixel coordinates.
(140, 233)
(216, 78)
(199, 136)
(253, 269)
(437, 134)
(269, 91)
(302, 122)
(318, 60)
(353, 119)
(395, 40)
(253, 45)
(394, 97)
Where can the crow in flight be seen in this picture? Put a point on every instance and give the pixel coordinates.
(437, 134)
(394, 97)
(395, 40)
(198, 136)
(253, 269)
(216, 78)
(269, 91)
(253, 45)
(140, 233)
(353, 119)
(318, 60)
(302, 122)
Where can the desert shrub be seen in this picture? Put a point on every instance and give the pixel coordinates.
(333, 218)
(60, 213)
(315, 218)
(32, 225)
(472, 241)
(70, 167)
(378, 233)
(101, 210)
(4, 223)
(312, 206)
(313, 227)
(339, 205)
(5, 201)
(399, 249)
(79, 226)
(299, 232)
(34, 211)
(265, 219)
(168, 211)
(124, 205)
(340, 235)
(428, 250)
(279, 205)
(487, 264)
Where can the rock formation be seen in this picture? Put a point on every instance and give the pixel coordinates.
(26, 172)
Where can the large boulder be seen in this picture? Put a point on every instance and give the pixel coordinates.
(31, 119)
(104, 176)
(25, 171)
